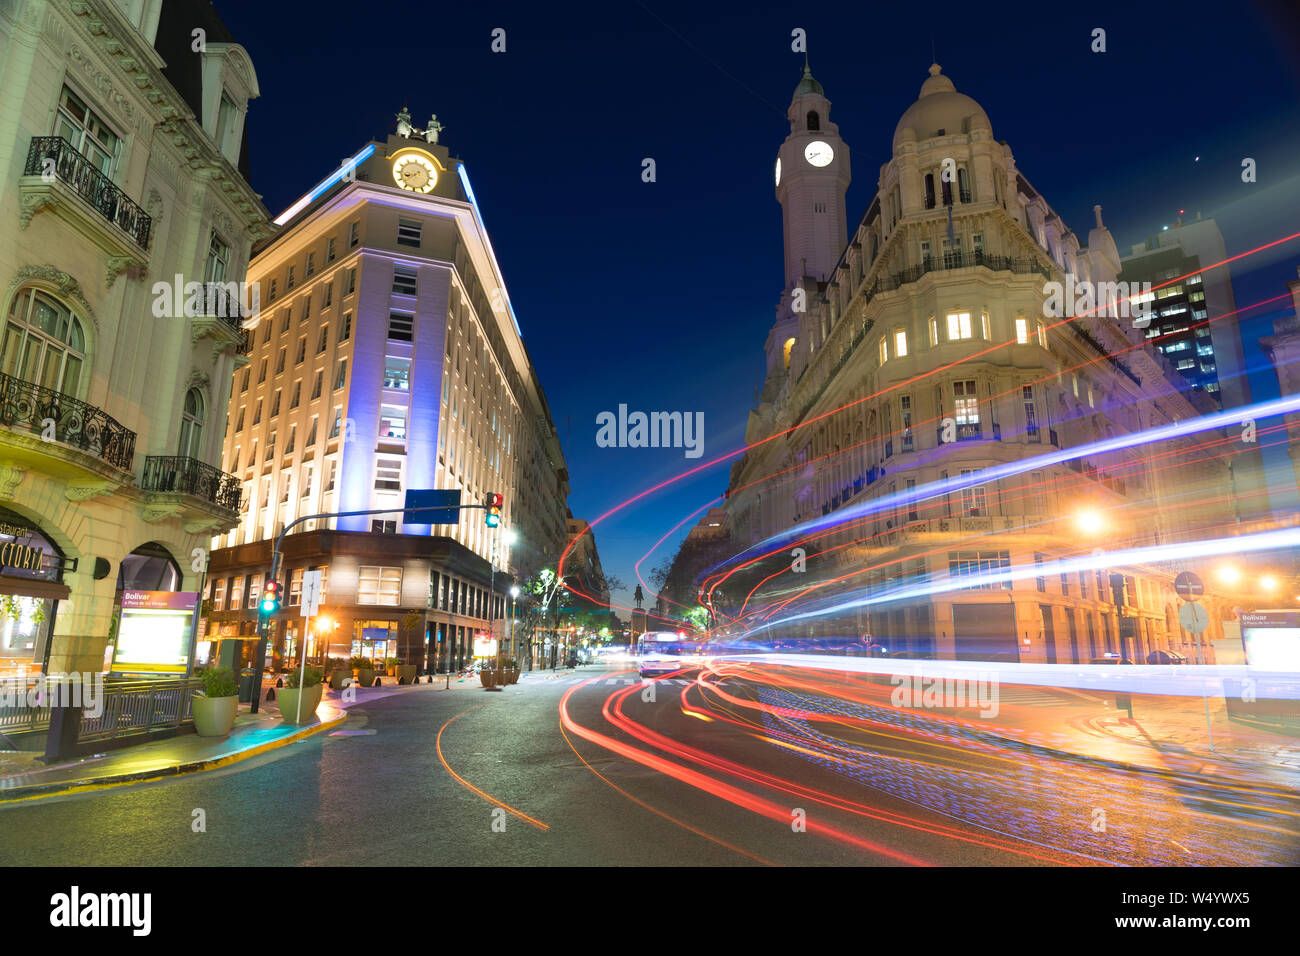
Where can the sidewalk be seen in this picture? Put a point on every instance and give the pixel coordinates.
(24, 777)
(1165, 735)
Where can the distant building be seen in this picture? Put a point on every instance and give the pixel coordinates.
(1283, 350)
(388, 358)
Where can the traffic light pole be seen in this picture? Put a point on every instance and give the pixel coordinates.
(259, 662)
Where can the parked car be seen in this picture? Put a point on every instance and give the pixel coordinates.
(1166, 657)
(1108, 659)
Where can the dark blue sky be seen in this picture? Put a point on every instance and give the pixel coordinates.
(659, 295)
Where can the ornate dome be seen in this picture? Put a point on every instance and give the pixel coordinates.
(941, 107)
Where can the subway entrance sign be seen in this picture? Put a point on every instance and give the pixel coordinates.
(446, 503)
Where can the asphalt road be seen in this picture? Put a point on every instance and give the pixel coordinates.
(690, 779)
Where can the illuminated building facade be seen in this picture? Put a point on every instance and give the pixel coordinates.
(387, 358)
(122, 137)
(1283, 350)
(926, 356)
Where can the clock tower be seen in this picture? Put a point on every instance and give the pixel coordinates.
(812, 176)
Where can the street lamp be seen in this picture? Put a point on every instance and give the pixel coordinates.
(1229, 574)
(1090, 521)
(514, 593)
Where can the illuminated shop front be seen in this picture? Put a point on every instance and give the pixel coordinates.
(31, 588)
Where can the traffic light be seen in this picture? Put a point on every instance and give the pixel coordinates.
(269, 605)
(492, 517)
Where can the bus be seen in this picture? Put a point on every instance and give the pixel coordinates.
(667, 652)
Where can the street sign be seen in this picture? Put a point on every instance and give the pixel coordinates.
(310, 593)
(1188, 586)
(446, 501)
(1193, 617)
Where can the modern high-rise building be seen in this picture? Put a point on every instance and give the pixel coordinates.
(1283, 350)
(387, 358)
(1206, 351)
(929, 355)
(122, 140)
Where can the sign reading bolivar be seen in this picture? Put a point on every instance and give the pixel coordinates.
(24, 557)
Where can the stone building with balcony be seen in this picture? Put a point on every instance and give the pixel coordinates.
(125, 159)
(920, 352)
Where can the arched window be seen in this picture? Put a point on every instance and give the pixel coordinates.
(789, 347)
(814, 121)
(43, 343)
(929, 190)
(192, 425)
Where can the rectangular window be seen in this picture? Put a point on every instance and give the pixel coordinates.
(295, 588)
(966, 405)
(354, 234)
(404, 280)
(1042, 336)
(377, 585)
(971, 563)
(239, 424)
(388, 474)
(381, 526)
(236, 592)
(293, 437)
(323, 343)
(401, 327)
(297, 394)
(331, 252)
(261, 373)
(334, 471)
(302, 351)
(270, 448)
(88, 134)
(974, 501)
(1022, 330)
(900, 343)
(285, 316)
(341, 377)
(270, 296)
(248, 374)
(315, 389)
(912, 514)
(959, 326)
(1031, 412)
(311, 263)
(984, 325)
(934, 331)
(345, 333)
(306, 308)
(279, 361)
(397, 372)
(304, 485)
(219, 594)
(311, 435)
(327, 295)
(338, 421)
(253, 585)
(392, 422)
(352, 281)
(289, 280)
(275, 404)
(884, 351)
(408, 232)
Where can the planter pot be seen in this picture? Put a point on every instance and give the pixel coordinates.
(406, 673)
(367, 676)
(488, 677)
(338, 676)
(214, 716)
(288, 700)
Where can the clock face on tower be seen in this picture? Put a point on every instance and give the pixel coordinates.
(415, 172)
(818, 153)
(778, 170)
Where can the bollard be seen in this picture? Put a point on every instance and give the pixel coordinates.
(378, 682)
(270, 693)
(279, 682)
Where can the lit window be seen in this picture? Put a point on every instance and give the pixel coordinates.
(1042, 336)
(404, 281)
(934, 331)
(884, 351)
(392, 421)
(1022, 330)
(377, 585)
(900, 343)
(984, 322)
(388, 474)
(959, 326)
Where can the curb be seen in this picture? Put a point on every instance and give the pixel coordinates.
(40, 791)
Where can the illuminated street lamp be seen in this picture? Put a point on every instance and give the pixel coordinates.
(1229, 574)
(1268, 583)
(1090, 521)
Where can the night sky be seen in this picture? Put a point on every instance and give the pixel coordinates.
(660, 295)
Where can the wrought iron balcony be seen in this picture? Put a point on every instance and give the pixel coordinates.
(35, 408)
(55, 154)
(189, 476)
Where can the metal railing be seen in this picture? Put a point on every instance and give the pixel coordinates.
(55, 154)
(140, 707)
(169, 473)
(34, 407)
(16, 694)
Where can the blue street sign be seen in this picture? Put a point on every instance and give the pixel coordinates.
(446, 500)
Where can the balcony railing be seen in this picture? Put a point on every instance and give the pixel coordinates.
(90, 429)
(81, 175)
(191, 477)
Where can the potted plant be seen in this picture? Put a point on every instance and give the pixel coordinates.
(405, 673)
(339, 671)
(512, 670)
(363, 670)
(488, 676)
(216, 706)
(298, 704)
(390, 665)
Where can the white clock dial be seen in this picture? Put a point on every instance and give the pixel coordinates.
(415, 173)
(778, 170)
(818, 153)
